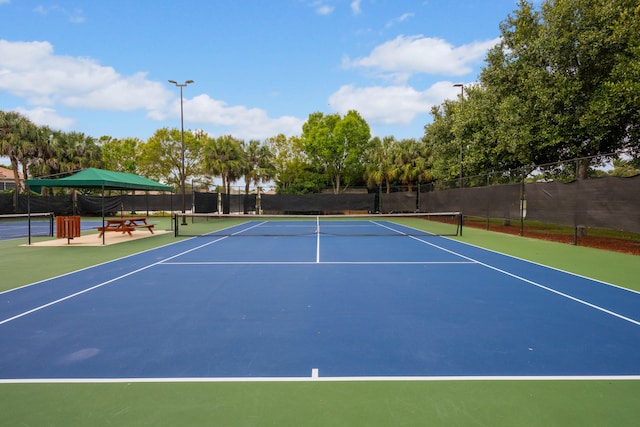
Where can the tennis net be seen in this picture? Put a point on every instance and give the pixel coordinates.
(13, 226)
(416, 224)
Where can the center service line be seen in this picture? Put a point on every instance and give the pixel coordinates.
(317, 240)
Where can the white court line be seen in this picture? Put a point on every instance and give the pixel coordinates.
(515, 276)
(99, 285)
(314, 375)
(313, 378)
(317, 239)
(317, 262)
(39, 282)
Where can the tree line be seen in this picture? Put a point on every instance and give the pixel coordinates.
(562, 83)
(333, 152)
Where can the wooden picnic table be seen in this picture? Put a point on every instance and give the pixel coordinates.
(125, 225)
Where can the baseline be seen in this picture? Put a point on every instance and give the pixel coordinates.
(314, 378)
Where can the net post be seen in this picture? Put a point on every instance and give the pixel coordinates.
(51, 221)
(175, 225)
(28, 212)
(460, 221)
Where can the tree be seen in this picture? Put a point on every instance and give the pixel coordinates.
(380, 163)
(223, 157)
(160, 158)
(439, 137)
(570, 71)
(120, 154)
(258, 165)
(17, 136)
(336, 144)
(624, 168)
(517, 77)
(77, 151)
(563, 83)
(43, 160)
(411, 163)
(293, 172)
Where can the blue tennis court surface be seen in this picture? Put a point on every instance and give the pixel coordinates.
(17, 226)
(318, 304)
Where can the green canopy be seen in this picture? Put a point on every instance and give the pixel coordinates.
(95, 178)
(100, 178)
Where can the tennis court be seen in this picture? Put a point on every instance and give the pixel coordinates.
(318, 300)
(16, 226)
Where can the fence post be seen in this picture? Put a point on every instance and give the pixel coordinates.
(523, 201)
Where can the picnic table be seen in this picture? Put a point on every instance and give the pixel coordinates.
(125, 225)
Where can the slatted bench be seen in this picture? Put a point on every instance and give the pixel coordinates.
(147, 226)
(122, 228)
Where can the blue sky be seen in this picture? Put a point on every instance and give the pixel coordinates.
(260, 67)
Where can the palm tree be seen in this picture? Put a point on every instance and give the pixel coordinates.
(223, 157)
(76, 151)
(380, 166)
(17, 138)
(258, 164)
(411, 162)
(41, 163)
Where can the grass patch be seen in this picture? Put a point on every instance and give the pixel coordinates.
(403, 403)
(533, 228)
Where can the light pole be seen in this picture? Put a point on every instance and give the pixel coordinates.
(182, 169)
(461, 86)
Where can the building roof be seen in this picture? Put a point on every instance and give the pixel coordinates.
(7, 174)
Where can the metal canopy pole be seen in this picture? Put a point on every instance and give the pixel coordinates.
(104, 234)
(28, 212)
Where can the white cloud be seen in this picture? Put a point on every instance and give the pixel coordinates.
(122, 94)
(43, 116)
(355, 7)
(399, 19)
(321, 7)
(242, 122)
(386, 105)
(76, 16)
(32, 71)
(404, 56)
(324, 10)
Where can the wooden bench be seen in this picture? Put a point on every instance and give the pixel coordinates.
(147, 226)
(122, 229)
(125, 225)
